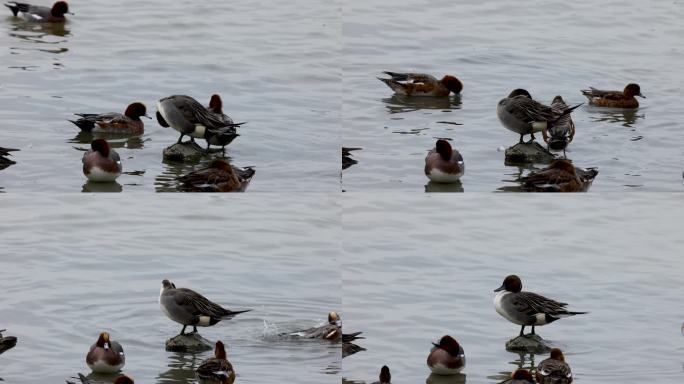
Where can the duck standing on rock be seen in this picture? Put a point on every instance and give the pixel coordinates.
(223, 136)
(560, 134)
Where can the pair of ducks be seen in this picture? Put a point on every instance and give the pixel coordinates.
(39, 13)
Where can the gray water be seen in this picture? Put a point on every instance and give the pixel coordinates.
(73, 267)
(419, 268)
(549, 48)
(275, 64)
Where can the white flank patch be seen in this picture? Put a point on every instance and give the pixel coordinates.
(102, 367)
(204, 321)
(442, 177)
(199, 131)
(99, 175)
(541, 319)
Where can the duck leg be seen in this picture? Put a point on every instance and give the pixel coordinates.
(521, 139)
(532, 330)
(180, 138)
(522, 330)
(194, 329)
(183, 330)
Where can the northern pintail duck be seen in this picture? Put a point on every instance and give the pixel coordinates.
(446, 357)
(39, 13)
(443, 164)
(614, 99)
(187, 116)
(113, 122)
(218, 176)
(6, 342)
(105, 356)
(385, 376)
(559, 176)
(122, 379)
(188, 307)
(520, 376)
(348, 346)
(101, 163)
(332, 330)
(521, 114)
(554, 370)
(527, 308)
(4, 161)
(560, 134)
(217, 369)
(225, 135)
(421, 84)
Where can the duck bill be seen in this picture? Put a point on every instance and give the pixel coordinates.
(148, 116)
(501, 288)
(642, 96)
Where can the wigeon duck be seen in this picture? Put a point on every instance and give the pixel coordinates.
(385, 376)
(218, 176)
(554, 370)
(6, 342)
(331, 331)
(420, 84)
(560, 134)
(101, 163)
(444, 164)
(348, 347)
(187, 116)
(520, 376)
(614, 99)
(560, 176)
(105, 356)
(527, 308)
(216, 369)
(39, 13)
(122, 379)
(114, 122)
(188, 307)
(447, 357)
(4, 161)
(521, 114)
(226, 135)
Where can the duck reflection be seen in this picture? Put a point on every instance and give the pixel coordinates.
(115, 140)
(524, 361)
(450, 379)
(36, 32)
(111, 186)
(625, 117)
(401, 104)
(444, 187)
(181, 369)
(517, 172)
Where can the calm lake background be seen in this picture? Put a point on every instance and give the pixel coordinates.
(276, 65)
(419, 267)
(73, 266)
(549, 48)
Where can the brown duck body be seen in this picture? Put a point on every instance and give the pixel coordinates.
(217, 369)
(614, 99)
(420, 84)
(560, 176)
(219, 176)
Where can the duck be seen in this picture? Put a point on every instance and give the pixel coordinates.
(4, 161)
(563, 131)
(385, 376)
(421, 84)
(101, 163)
(39, 13)
(187, 116)
(560, 176)
(225, 135)
(189, 308)
(216, 369)
(520, 376)
(218, 176)
(348, 346)
(121, 379)
(521, 114)
(614, 99)
(129, 122)
(6, 342)
(443, 164)
(330, 331)
(554, 370)
(446, 357)
(105, 356)
(527, 308)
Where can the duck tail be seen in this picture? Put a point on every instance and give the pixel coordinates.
(228, 314)
(84, 124)
(14, 7)
(397, 76)
(394, 85)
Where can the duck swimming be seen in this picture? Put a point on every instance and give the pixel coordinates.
(39, 13)
(614, 99)
(105, 356)
(218, 176)
(216, 369)
(101, 163)
(443, 164)
(560, 176)
(421, 84)
(113, 122)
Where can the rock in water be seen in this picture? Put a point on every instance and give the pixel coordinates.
(528, 343)
(190, 342)
(187, 151)
(530, 152)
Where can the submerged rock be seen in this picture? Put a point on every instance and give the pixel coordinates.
(186, 151)
(528, 343)
(530, 152)
(189, 342)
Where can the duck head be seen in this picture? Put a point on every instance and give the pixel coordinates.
(511, 283)
(101, 146)
(632, 90)
(452, 84)
(444, 149)
(519, 92)
(136, 110)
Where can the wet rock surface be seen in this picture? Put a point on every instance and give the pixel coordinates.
(528, 343)
(189, 342)
(188, 151)
(530, 152)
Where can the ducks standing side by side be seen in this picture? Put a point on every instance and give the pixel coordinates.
(421, 84)
(217, 369)
(521, 114)
(39, 13)
(4, 161)
(447, 357)
(129, 122)
(330, 331)
(223, 136)
(122, 379)
(554, 370)
(520, 376)
(614, 99)
(101, 163)
(560, 176)
(218, 176)
(385, 376)
(443, 164)
(527, 308)
(188, 307)
(6, 342)
(560, 134)
(105, 356)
